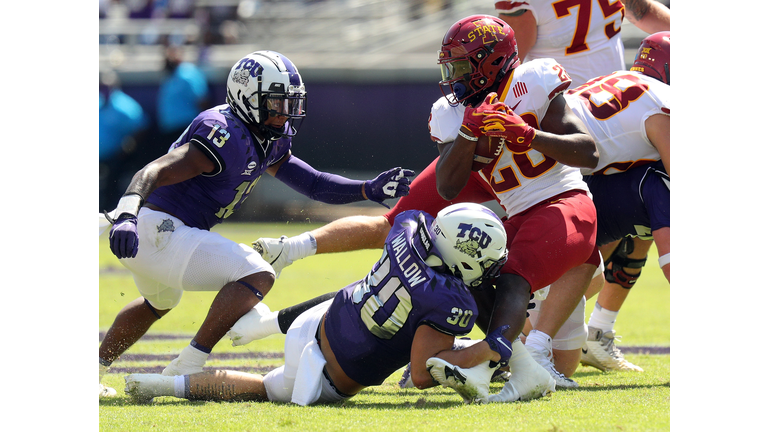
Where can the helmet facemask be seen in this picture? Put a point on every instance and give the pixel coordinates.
(476, 55)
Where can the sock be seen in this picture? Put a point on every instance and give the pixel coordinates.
(193, 355)
(103, 367)
(272, 322)
(539, 340)
(285, 317)
(602, 319)
(181, 386)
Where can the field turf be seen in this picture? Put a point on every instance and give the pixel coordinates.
(604, 402)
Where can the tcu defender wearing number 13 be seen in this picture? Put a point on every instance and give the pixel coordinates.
(172, 203)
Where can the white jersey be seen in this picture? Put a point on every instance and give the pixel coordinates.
(525, 179)
(582, 36)
(614, 108)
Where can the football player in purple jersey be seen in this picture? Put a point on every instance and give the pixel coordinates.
(161, 226)
(409, 308)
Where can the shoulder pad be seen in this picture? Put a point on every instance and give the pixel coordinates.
(445, 120)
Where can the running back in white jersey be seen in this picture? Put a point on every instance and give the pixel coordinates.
(523, 179)
(582, 35)
(614, 108)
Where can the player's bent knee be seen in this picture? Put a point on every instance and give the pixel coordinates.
(158, 313)
(619, 263)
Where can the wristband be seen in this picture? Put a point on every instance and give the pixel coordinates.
(130, 203)
(467, 137)
(663, 260)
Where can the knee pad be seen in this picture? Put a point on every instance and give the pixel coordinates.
(619, 261)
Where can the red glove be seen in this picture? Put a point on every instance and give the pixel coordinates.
(509, 126)
(473, 117)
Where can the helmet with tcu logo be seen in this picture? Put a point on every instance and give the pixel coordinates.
(652, 57)
(471, 240)
(477, 52)
(266, 84)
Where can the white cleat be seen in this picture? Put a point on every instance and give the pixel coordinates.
(600, 351)
(275, 252)
(545, 359)
(256, 324)
(472, 384)
(142, 388)
(106, 392)
(406, 381)
(528, 379)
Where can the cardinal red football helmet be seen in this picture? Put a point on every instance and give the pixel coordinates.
(477, 52)
(652, 57)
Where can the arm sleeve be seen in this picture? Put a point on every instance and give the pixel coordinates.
(319, 186)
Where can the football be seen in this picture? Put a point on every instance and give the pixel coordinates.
(487, 150)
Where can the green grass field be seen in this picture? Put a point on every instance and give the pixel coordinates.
(604, 401)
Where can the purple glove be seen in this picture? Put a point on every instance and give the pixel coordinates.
(390, 184)
(500, 344)
(124, 236)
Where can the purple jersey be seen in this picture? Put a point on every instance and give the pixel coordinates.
(239, 158)
(371, 323)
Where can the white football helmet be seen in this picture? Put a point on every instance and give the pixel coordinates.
(264, 84)
(472, 241)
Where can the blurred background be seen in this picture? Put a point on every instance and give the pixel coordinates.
(370, 68)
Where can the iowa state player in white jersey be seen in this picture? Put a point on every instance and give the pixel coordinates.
(628, 114)
(551, 220)
(582, 35)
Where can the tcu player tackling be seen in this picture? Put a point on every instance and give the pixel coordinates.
(410, 307)
(161, 224)
(479, 57)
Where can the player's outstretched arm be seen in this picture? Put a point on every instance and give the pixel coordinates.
(428, 343)
(335, 189)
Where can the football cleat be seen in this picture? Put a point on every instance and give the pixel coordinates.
(500, 376)
(142, 388)
(275, 252)
(545, 359)
(105, 391)
(600, 351)
(406, 381)
(528, 379)
(472, 384)
(253, 325)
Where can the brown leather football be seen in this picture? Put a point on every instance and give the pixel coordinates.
(487, 150)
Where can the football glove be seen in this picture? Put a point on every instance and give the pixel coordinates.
(509, 126)
(474, 117)
(500, 344)
(124, 236)
(390, 184)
